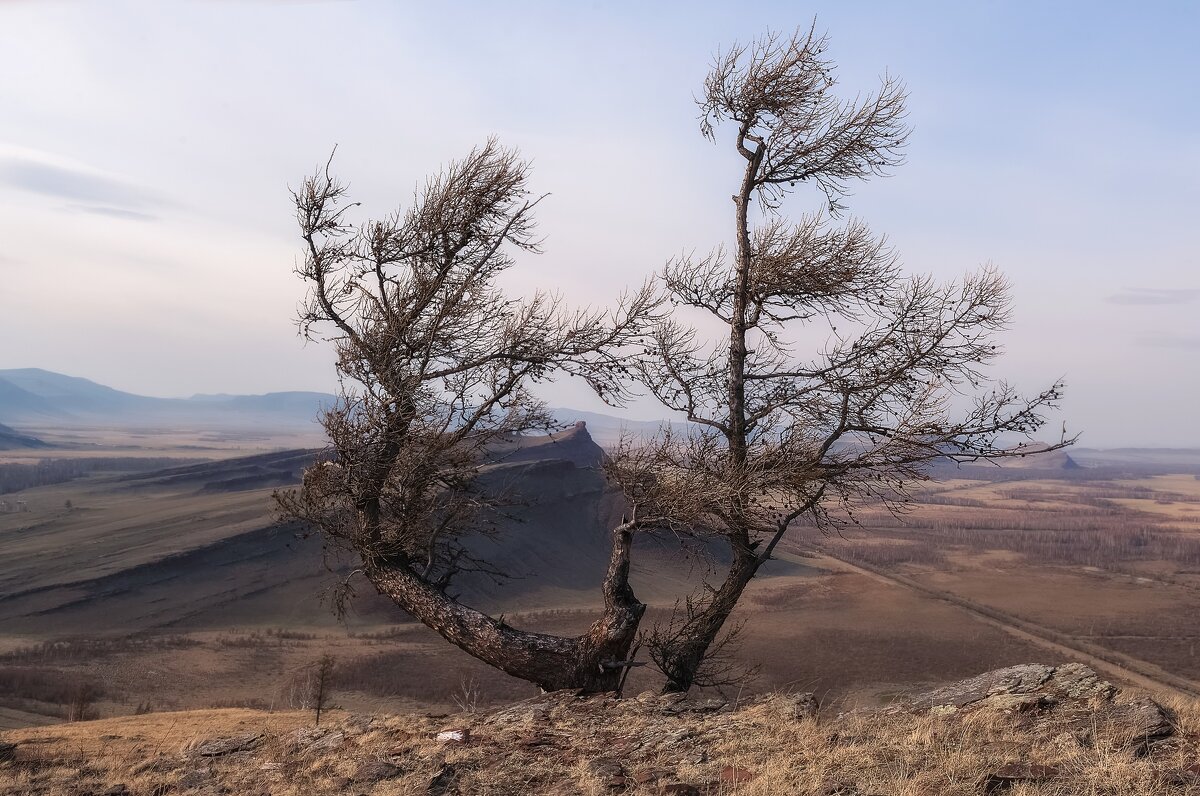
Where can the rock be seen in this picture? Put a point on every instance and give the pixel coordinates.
(1077, 681)
(1184, 777)
(679, 707)
(803, 706)
(331, 740)
(228, 745)
(442, 783)
(1139, 724)
(603, 768)
(1025, 687)
(8, 751)
(1012, 680)
(647, 776)
(358, 722)
(1014, 703)
(796, 707)
(1010, 774)
(376, 771)
(539, 740)
(454, 735)
(611, 773)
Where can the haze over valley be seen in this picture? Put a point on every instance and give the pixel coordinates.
(139, 532)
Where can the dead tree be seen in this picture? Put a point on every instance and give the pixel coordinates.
(436, 364)
(321, 684)
(777, 436)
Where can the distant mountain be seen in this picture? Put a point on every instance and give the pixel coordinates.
(18, 405)
(1038, 456)
(11, 439)
(32, 396)
(36, 397)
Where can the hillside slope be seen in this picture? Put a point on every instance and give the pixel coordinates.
(1031, 730)
(196, 546)
(11, 439)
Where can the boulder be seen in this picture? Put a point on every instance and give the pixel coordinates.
(796, 707)
(442, 782)
(217, 747)
(1139, 724)
(376, 771)
(1024, 687)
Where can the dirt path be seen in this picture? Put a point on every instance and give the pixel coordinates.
(1114, 664)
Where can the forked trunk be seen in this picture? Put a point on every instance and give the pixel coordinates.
(682, 662)
(593, 661)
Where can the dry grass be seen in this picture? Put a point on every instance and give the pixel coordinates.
(563, 744)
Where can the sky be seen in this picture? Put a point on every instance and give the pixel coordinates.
(146, 149)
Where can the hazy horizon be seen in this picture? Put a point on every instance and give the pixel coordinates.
(147, 149)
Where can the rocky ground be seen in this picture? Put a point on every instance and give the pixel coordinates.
(1024, 730)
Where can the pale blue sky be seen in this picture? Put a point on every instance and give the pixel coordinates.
(145, 150)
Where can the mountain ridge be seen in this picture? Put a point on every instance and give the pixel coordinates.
(33, 396)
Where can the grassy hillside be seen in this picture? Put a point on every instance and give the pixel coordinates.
(1029, 731)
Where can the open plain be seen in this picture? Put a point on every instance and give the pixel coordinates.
(153, 587)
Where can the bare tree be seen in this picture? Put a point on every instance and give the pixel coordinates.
(778, 437)
(321, 684)
(435, 364)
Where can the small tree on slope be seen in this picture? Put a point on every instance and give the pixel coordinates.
(778, 437)
(435, 364)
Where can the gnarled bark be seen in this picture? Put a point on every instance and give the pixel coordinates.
(592, 661)
(681, 662)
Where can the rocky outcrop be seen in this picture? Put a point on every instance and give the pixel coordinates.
(1073, 693)
(1020, 687)
(217, 747)
(1032, 729)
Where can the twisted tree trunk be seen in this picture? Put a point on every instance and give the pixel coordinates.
(682, 662)
(593, 661)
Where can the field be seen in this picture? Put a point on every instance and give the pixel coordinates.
(126, 590)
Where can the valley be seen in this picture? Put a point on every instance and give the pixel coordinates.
(143, 567)
(158, 578)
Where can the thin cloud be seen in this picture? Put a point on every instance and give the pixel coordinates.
(115, 212)
(67, 183)
(84, 188)
(1154, 296)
